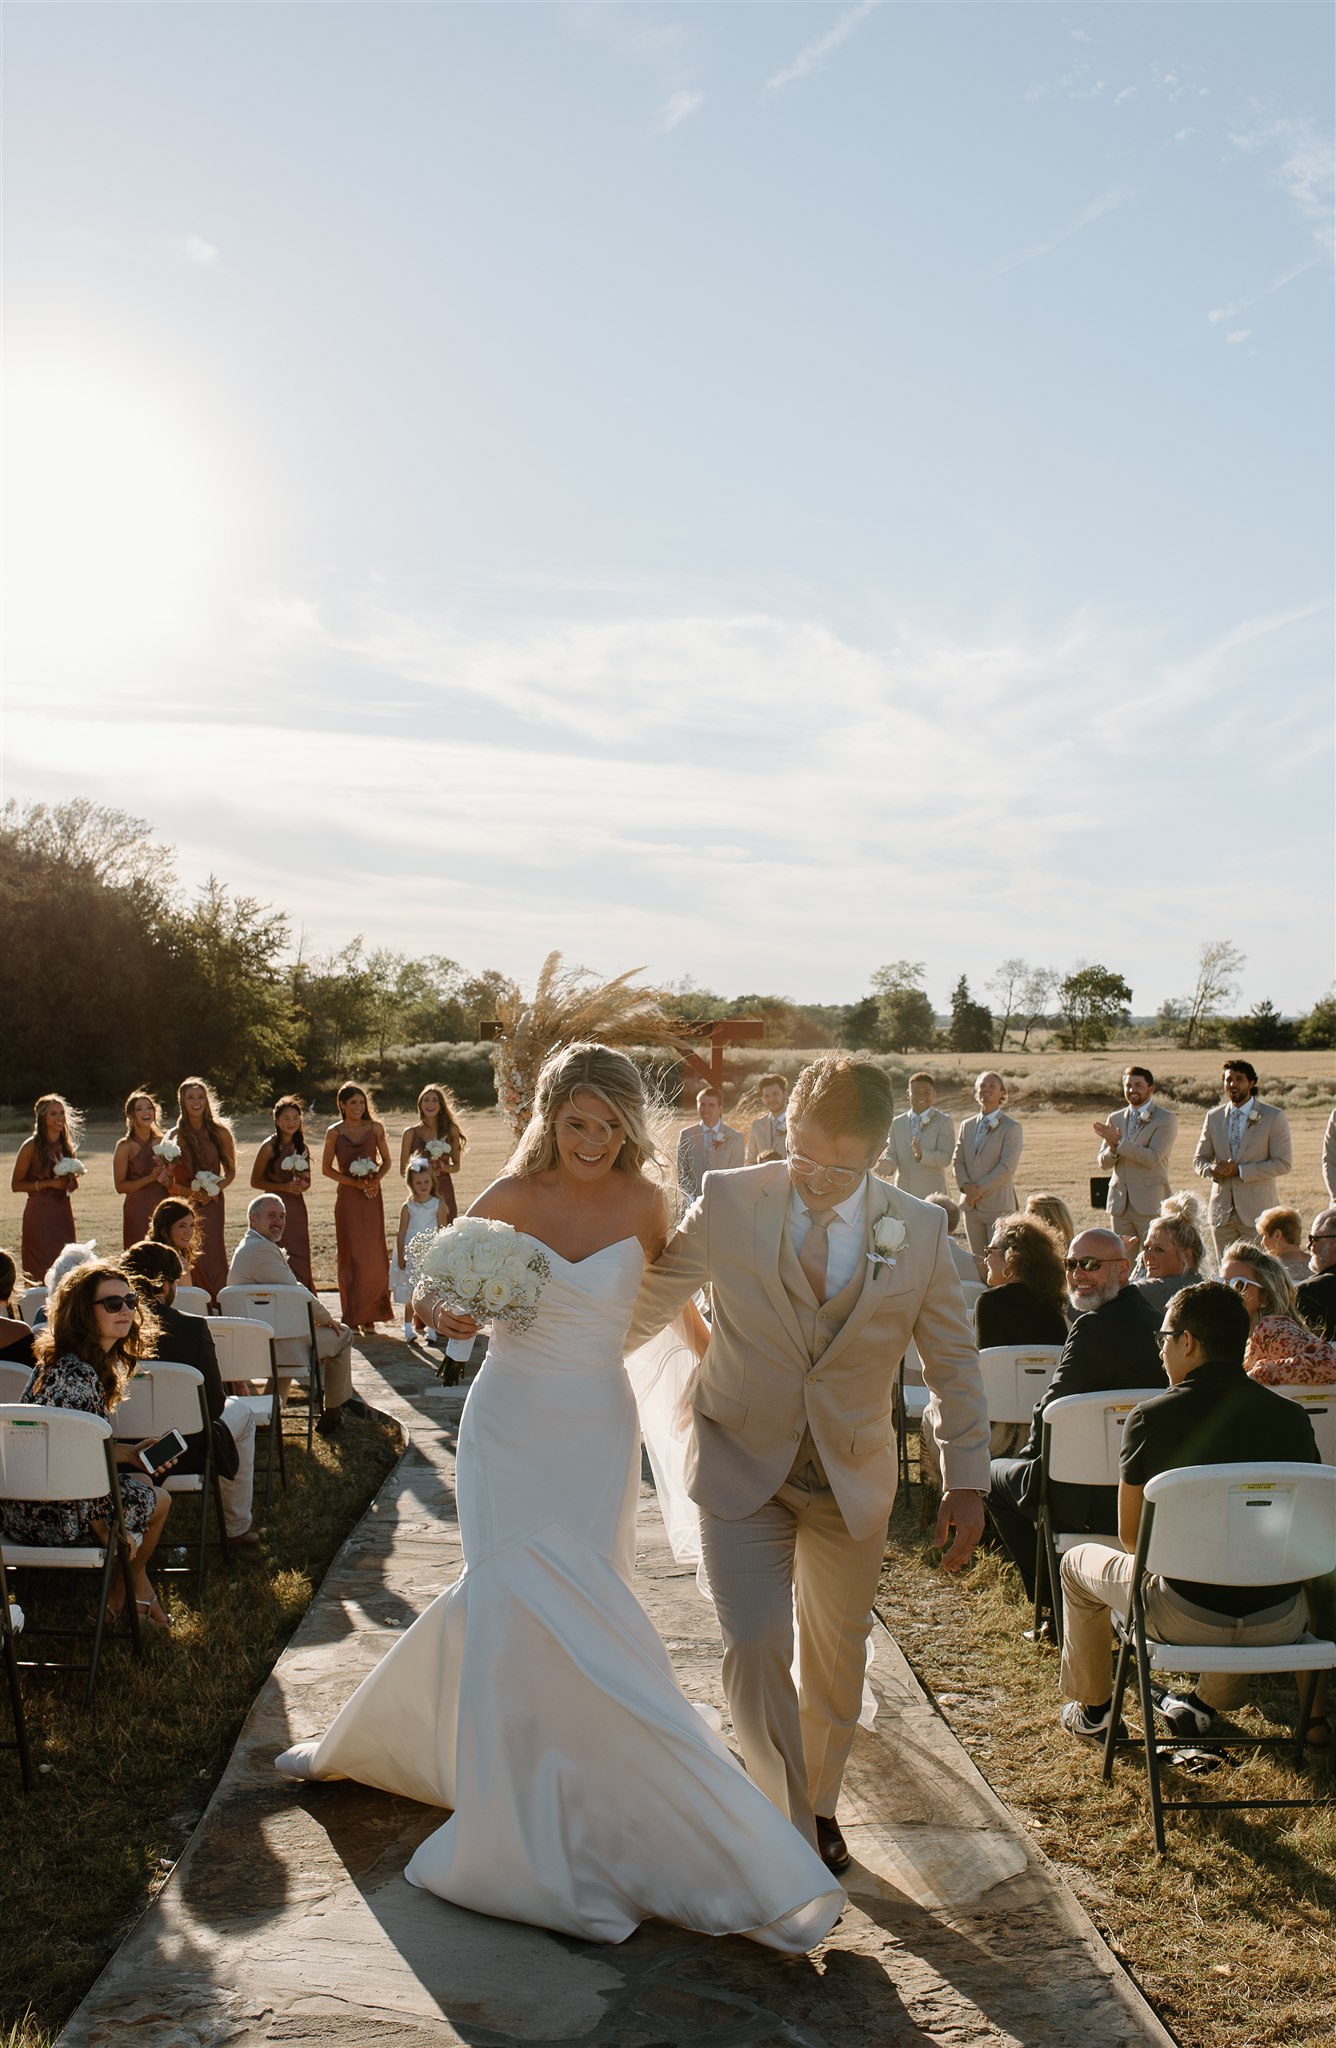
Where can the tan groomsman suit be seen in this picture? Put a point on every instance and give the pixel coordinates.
(1139, 1167)
(696, 1156)
(1329, 1157)
(792, 1460)
(767, 1134)
(937, 1139)
(1263, 1153)
(259, 1262)
(989, 1158)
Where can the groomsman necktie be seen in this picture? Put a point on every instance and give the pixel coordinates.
(815, 1251)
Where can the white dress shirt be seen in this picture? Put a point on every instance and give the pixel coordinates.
(844, 1237)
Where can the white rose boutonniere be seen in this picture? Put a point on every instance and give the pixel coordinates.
(888, 1240)
(1144, 1115)
(1254, 1116)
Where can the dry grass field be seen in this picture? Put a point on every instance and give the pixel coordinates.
(1056, 1095)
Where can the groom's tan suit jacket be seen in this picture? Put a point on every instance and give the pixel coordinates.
(779, 1364)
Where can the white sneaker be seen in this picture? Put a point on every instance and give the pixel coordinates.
(1185, 1713)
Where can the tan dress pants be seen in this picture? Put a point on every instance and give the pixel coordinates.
(1231, 1231)
(794, 1558)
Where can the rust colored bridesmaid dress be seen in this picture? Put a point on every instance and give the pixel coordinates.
(139, 1206)
(359, 1230)
(48, 1220)
(296, 1238)
(210, 1268)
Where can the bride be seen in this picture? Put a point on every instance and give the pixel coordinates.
(534, 1698)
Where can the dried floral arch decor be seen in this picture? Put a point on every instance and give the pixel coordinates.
(568, 1005)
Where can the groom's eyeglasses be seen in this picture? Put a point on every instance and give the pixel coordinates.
(846, 1177)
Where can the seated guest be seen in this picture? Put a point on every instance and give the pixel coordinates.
(1317, 1295)
(1282, 1234)
(1282, 1350)
(707, 1146)
(1213, 1414)
(174, 1222)
(259, 1261)
(966, 1265)
(185, 1340)
(1174, 1255)
(1110, 1344)
(1025, 1286)
(767, 1135)
(1051, 1209)
(16, 1339)
(922, 1141)
(96, 1336)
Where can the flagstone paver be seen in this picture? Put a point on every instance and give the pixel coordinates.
(288, 1919)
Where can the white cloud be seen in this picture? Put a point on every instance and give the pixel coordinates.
(815, 53)
(1129, 92)
(1218, 314)
(194, 249)
(1306, 170)
(1237, 334)
(677, 108)
(1108, 202)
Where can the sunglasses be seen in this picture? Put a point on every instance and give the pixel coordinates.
(1239, 1285)
(117, 1304)
(1086, 1265)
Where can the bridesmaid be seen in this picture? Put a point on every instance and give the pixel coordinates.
(48, 1213)
(207, 1146)
(437, 1122)
(139, 1175)
(359, 1209)
(272, 1177)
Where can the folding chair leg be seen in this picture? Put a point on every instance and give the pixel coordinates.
(1040, 1576)
(1152, 1747)
(224, 1546)
(1116, 1706)
(16, 1706)
(1307, 1694)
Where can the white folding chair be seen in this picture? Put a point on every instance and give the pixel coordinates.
(1081, 1445)
(192, 1301)
(15, 1381)
(911, 1403)
(1015, 1376)
(160, 1396)
(245, 1351)
(287, 1314)
(63, 1454)
(31, 1302)
(1225, 1525)
(1319, 1405)
(11, 1624)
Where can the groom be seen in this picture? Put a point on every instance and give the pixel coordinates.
(819, 1275)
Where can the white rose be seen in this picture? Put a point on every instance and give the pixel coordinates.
(889, 1235)
(498, 1294)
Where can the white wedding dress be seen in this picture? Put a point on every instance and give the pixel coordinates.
(534, 1698)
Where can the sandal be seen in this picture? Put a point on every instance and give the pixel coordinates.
(159, 1619)
(1314, 1740)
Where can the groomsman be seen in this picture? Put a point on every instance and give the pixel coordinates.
(1243, 1149)
(988, 1152)
(769, 1131)
(1329, 1157)
(1135, 1154)
(922, 1141)
(707, 1146)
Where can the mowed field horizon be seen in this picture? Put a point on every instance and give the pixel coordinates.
(1059, 1157)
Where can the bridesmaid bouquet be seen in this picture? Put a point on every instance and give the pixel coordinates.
(206, 1183)
(167, 1150)
(437, 1148)
(296, 1162)
(69, 1169)
(360, 1168)
(481, 1268)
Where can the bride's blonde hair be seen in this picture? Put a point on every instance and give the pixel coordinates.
(586, 1070)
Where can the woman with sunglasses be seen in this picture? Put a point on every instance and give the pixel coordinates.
(96, 1334)
(1282, 1350)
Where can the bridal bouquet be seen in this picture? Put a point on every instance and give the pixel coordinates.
(69, 1169)
(167, 1150)
(480, 1268)
(206, 1183)
(296, 1162)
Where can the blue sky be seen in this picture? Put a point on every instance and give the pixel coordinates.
(759, 490)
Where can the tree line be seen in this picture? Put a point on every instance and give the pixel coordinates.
(115, 977)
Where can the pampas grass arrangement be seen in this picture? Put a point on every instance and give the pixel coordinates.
(569, 1005)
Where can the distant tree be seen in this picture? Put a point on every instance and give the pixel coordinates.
(897, 975)
(1007, 983)
(1092, 1000)
(860, 1028)
(478, 996)
(1036, 999)
(971, 1026)
(1219, 965)
(231, 1015)
(907, 1019)
(1264, 1030)
(1318, 1029)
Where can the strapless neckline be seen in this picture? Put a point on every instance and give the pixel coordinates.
(573, 1263)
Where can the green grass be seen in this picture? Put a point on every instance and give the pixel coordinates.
(127, 1779)
(1230, 1936)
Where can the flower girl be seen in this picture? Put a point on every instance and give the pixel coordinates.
(424, 1210)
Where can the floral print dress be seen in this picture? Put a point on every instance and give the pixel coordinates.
(72, 1383)
(1283, 1353)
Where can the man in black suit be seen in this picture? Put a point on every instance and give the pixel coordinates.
(1110, 1344)
(155, 1270)
(1317, 1297)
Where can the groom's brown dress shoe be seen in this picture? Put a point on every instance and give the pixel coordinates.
(831, 1846)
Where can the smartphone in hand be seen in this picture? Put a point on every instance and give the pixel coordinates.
(156, 1457)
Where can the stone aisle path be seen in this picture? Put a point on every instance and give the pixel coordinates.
(287, 1919)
